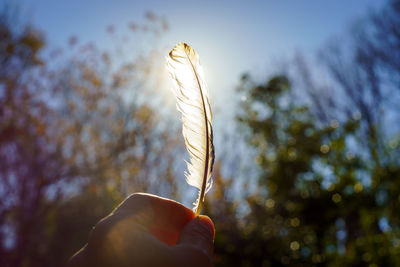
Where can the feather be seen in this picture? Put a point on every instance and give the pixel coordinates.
(193, 103)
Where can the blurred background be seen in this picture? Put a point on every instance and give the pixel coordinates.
(305, 97)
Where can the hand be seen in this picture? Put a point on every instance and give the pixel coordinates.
(146, 230)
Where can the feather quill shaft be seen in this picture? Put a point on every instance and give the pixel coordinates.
(193, 103)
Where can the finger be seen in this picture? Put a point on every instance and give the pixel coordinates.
(141, 227)
(123, 243)
(196, 241)
(150, 252)
(200, 233)
(164, 218)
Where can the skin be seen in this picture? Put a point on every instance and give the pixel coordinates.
(147, 230)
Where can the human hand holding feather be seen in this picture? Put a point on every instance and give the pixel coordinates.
(193, 103)
(145, 225)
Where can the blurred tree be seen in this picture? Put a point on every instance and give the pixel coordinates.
(314, 204)
(28, 163)
(363, 74)
(76, 136)
(328, 192)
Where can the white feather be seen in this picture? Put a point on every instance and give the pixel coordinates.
(191, 93)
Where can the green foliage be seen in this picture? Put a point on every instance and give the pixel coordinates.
(319, 201)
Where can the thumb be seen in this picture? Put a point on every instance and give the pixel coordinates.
(199, 233)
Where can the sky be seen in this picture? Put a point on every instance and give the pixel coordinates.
(231, 36)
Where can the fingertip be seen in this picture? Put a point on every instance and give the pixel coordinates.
(207, 222)
(199, 233)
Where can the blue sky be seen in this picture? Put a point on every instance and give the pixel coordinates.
(231, 36)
